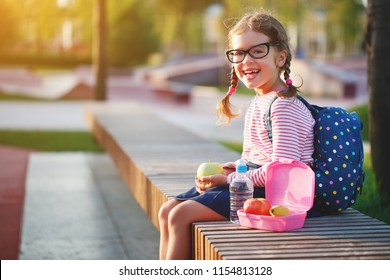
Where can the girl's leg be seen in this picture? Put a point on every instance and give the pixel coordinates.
(180, 219)
(163, 222)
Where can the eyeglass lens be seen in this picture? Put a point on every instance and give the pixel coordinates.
(258, 51)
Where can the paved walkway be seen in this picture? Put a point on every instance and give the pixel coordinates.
(13, 168)
(78, 207)
(69, 206)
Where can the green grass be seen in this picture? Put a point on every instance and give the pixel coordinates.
(53, 141)
(19, 97)
(370, 202)
(362, 111)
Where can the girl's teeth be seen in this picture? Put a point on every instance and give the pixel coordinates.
(251, 72)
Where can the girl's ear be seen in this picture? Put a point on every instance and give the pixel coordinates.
(281, 59)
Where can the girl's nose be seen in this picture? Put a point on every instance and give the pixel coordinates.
(247, 59)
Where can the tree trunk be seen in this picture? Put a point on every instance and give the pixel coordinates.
(378, 55)
(99, 49)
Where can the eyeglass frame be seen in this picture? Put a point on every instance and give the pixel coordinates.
(268, 44)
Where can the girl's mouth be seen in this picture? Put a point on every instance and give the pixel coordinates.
(250, 74)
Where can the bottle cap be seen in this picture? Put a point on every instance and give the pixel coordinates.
(241, 167)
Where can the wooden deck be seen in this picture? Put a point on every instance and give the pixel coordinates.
(158, 160)
(350, 235)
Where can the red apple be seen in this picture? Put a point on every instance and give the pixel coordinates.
(257, 206)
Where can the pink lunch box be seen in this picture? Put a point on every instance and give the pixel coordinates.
(289, 183)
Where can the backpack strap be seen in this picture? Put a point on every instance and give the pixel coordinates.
(312, 108)
(268, 118)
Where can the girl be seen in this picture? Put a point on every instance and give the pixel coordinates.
(259, 54)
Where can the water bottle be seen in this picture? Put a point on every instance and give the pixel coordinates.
(241, 189)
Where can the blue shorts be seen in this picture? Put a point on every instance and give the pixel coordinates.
(218, 198)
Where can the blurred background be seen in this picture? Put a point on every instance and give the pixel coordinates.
(61, 34)
(167, 54)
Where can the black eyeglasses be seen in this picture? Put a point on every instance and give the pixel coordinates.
(257, 51)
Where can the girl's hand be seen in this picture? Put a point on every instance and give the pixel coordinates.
(228, 168)
(207, 182)
(200, 187)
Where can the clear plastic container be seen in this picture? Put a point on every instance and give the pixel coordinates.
(289, 183)
(241, 189)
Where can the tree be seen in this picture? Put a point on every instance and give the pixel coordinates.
(31, 23)
(378, 46)
(8, 18)
(180, 24)
(344, 26)
(99, 45)
(133, 35)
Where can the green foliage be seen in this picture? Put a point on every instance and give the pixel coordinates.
(132, 34)
(36, 25)
(53, 61)
(8, 20)
(344, 19)
(18, 97)
(286, 11)
(348, 33)
(137, 28)
(362, 111)
(235, 146)
(180, 24)
(371, 202)
(52, 141)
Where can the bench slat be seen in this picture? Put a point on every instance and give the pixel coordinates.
(354, 236)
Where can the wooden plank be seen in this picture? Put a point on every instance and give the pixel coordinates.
(326, 254)
(360, 237)
(322, 249)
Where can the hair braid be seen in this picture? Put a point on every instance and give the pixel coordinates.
(224, 111)
(286, 67)
(234, 78)
(292, 90)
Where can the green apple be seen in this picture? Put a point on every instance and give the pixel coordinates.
(209, 168)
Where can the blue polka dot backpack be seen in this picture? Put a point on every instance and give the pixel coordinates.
(338, 157)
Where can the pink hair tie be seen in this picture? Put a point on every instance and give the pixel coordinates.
(231, 90)
(288, 82)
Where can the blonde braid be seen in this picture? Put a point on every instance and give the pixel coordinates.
(292, 90)
(224, 111)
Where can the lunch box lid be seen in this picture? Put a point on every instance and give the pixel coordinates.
(290, 183)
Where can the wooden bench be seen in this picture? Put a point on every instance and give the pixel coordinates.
(158, 160)
(349, 235)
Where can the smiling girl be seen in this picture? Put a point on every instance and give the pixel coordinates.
(259, 55)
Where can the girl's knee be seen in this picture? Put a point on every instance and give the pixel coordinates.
(165, 209)
(163, 213)
(180, 216)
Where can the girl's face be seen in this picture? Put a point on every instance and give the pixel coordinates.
(261, 74)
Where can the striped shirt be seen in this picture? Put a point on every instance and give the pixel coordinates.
(292, 134)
